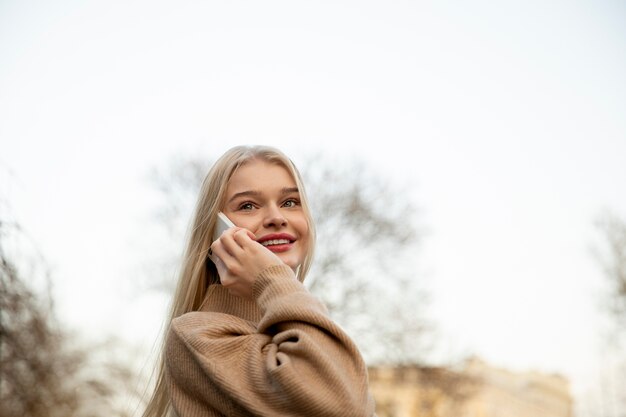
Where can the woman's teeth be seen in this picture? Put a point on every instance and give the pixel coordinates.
(275, 242)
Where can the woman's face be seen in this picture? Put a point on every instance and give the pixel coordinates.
(263, 198)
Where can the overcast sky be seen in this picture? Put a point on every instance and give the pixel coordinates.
(506, 119)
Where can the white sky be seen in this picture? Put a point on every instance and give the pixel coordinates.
(507, 117)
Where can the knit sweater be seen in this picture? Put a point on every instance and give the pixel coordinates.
(276, 355)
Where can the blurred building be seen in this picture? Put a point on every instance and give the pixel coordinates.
(477, 390)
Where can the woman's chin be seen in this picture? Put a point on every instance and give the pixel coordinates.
(290, 262)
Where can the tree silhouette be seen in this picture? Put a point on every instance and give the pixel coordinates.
(43, 373)
(612, 258)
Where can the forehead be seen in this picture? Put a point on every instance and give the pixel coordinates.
(258, 175)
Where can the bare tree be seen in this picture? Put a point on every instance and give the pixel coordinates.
(613, 230)
(364, 267)
(43, 372)
(612, 257)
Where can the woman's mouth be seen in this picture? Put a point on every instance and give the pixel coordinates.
(277, 242)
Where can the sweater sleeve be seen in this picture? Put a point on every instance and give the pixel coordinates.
(295, 361)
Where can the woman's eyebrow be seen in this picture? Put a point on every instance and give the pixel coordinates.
(254, 193)
(250, 193)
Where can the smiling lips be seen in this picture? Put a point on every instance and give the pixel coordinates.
(277, 242)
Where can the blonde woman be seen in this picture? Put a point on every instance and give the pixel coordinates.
(246, 337)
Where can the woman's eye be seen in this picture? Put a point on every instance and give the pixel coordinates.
(246, 206)
(290, 203)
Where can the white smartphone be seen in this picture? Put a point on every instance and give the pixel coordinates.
(223, 224)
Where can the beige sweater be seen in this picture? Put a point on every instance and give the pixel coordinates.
(276, 355)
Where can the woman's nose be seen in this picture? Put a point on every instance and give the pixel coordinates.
(274, 218)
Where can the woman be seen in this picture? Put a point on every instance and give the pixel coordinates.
(246, 337)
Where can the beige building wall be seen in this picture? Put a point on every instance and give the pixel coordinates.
(478, 390)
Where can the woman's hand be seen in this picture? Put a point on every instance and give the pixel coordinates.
(240, 260)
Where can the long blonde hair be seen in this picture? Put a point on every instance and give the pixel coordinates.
(196, 273)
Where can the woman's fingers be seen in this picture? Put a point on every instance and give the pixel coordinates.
(241, 259)
(232, 255)
(244, 238)
(230, 244)
(218, 250)
(226, 243)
